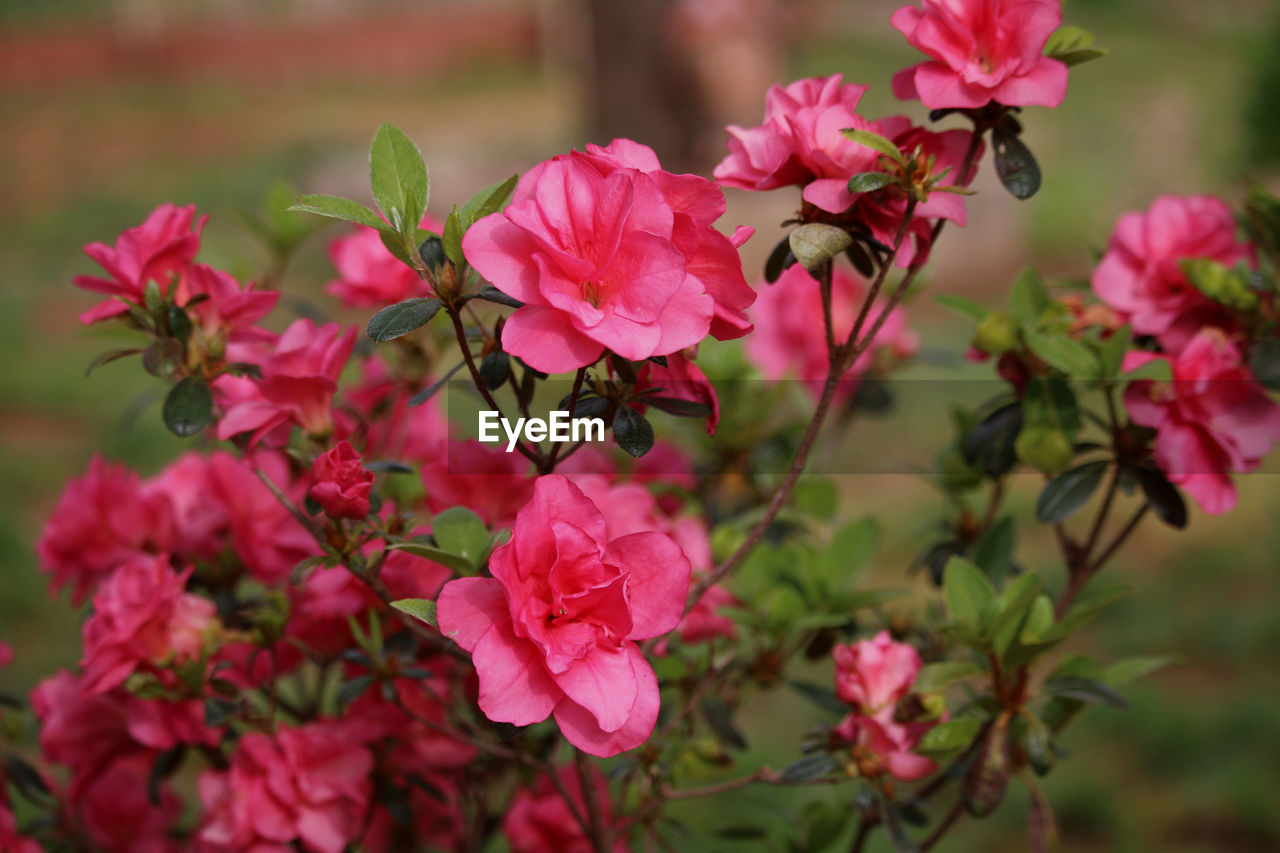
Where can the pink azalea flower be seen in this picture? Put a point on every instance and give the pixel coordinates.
(342, 484)
(200, 517)
(603, 259)
(308, 784)
(489, 482)
(789, 339)
(118, 814)
(981, 51)
(298, 381)
(681, 379)
(142, 617)
(228, 310)
(85, 733)
(539, 820)
(393, 428)
(368, 274)
(887, 745)
(1213, 420)
(102, 519)
(161, 247)
(875, 674)
(437, 818)
(1140, 276)
(161, 724)
(553, 631)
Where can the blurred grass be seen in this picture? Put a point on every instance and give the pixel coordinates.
(1192, 767)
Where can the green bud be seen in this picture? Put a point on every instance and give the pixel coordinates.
(1044, 448)
(996, 334)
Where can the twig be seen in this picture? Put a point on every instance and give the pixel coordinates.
(573, 404)
(942, 828)
(598, 831)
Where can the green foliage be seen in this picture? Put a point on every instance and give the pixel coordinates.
(418, 608)
(398, 178)
(396, 321)
(460, 531)
(188, 407)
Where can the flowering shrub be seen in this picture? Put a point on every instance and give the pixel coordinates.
(344, 623)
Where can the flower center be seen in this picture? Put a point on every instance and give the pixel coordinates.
(591, 293)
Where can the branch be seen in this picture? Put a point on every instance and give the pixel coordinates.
(598, 831)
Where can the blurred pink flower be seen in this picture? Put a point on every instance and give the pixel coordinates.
(368, 274)
(888, 744)
(482, 477)
(539, 820)
(118, 813)
(875, 674)
(681, 379)
(981, 51)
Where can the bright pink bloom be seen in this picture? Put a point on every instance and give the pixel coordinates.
(142, 616)
(1213, 420)
(875, 674)
(681, 379)
(489, 482)
(308, 784)
(102, 519)
(200, 517)
(368, 274)
(229, 308)
(789, 339)
(552, 631)
(161, 724)
(539, 820)
(606, 255)
(981, 51)
(83, 732)
(1140, 275)
(342, 483)
(161, 247)
(118, 814)
(298, 381)
(888, 743)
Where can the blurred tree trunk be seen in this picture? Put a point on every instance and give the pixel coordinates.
(643, 84)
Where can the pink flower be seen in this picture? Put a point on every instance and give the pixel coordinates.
(539, 820)
(492, 484)
(1140, 275)
(789, 338)
(606, 255)
(102, 519)
(393, 428)
(142, 617)
(875, 674)
(118, 813)
(161, 247)
(681, 379)
(981, 51)
(1213, 420)
(298, 381)
(200, 517)
(881, 744)
(161, 724)
(552, 631)
(368, 274)
(342, 483)
(308, 784)
(83, 732)
(228, 309)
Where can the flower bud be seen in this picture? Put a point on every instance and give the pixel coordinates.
(996, 334)
(1044, 448)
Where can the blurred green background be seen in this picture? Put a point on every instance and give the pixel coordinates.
(109, 108)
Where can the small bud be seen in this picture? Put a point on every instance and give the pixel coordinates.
(996, 334)
(1044, 448)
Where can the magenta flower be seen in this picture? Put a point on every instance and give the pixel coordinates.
(553, 631)
(160, 248)
(981, 51)
(229, 310)
(1213, 420)
(342, 483)
(680, 379)
(539, 820)
(884, 745)
(608, 256)
(119, 815)
(368, 274)
(1140, 275)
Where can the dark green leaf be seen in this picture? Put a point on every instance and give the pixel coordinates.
(305, 568)
(1015, 165)
(431, 250)
(857, 255)
(352, 690)
(495, 369)
(1162, 496)
(675, 406)
(218, 711)
(396, 321)
(110, 356)
(492, 294)
(989, 446)
(719, 716)
(398, 177)
(1264, 361)
(1069, 491)
(994, 551)
(335, 207)
(165, 765)
(162, 357)
(809, 768)
(1049, 402)
(188, 407)
(893, 828)
(823, 697)
(866, 182)
(1070, 356)
(179, 323)
(419, 608)
(633, 433)
(817, 243)
(389, 466)
(1084, 689)
(779, 259)
(935, 677)
(1028, 299)
(430, 391)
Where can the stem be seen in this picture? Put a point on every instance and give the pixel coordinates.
(864, 832)
(764, 775)
(942, 828)
(599, 833)
(573, 404)
(824, 285)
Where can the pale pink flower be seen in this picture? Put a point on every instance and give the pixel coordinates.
(1213, 420)
(554, 630)
(875, 674)
(981, 51)
(888, 744)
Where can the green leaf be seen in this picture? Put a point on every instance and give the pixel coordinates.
(396, 321)
(352, 690)
(437, 555)
(1089, 604)
(633, 433)
(823, 697)
(951, 735)
(1155, 370)
(489, 200)
(110, 356)
(968, 593)
(1080, 57)
(460, 531)
(452, 238)
(1131, 669)
(935, 677)
(1085, 690)
(1012, 609)
(1015, 165)
(336, 207)
(875, 142)
(964, 307)
(1028, 299)
(398, 177)
(809, 768)
(779, 260)
(893, 828)
(495, 369)
(719, 716)
(419, 608)
(1264, 361)
(1049, 402)
(1069, 491)
(1038, 742)
(1162, 496)
(1073, 46)
(866, 182)
(305, 568)
(188, 407)
(850, 552)
(1070, 356)
(994, 551)
(816, 496)
(1112, 352)
(492, 294)
(816, 243)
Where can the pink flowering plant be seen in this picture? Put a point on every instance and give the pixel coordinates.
(341, 622)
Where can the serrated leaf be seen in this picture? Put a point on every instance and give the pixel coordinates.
(188, 407)
(1069, 491)
(632, 431)
(968, 593)
(336, 207)
(964, 307)
(419, 608)
(396, 321)
(398, 178)
(817, 243)
(460, 531)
